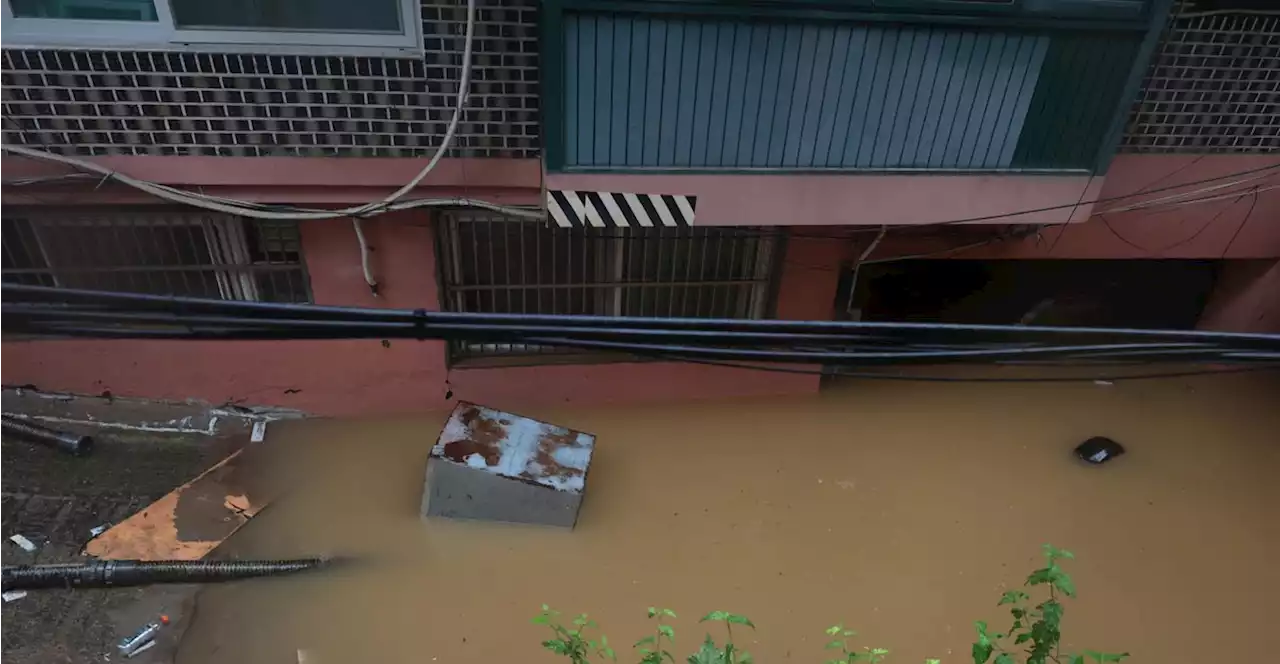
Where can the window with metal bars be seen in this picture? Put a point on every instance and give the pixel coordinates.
(494, 265)
(164, 252)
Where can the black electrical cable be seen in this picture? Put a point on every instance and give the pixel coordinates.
(625, 342)
(839, 345)
(292, 321)
(1243, 222)
(1156, 253)
(423, 326)
(1062, 228)
(313, 312)
(109, 333)
(904, 353)
(917, 357)
(1174, 172)
(874, 375)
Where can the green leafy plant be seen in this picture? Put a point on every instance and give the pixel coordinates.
(1034, 637)
(847, 654)
(650, 647)
(709, 653)
(1039, 626)
(570, 641)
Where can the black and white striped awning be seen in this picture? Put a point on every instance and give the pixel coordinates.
(598, 209)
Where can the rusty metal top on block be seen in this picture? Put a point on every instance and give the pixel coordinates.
(517, 447)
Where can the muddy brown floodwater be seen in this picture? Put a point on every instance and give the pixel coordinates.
(899, 509)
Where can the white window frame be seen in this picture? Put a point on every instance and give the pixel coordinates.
(162, 34)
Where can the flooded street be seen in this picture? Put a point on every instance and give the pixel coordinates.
(902, 510)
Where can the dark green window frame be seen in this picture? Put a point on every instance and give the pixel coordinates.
(1140, 34)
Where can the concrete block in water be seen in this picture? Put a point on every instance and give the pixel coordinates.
(498, 466)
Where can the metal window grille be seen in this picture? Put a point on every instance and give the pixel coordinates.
(494, 265)
(195, 254)
(1213, 86)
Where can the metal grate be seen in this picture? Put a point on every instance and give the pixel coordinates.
(194, 254)
(92, 102)
(1213, 86)
(492, 265)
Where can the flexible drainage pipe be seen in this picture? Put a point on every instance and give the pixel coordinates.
(122, 573)
(69, 443)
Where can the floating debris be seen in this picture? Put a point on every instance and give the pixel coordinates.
(145, 638)
(498, 466)
(193, 519)
(1099, 449)
(148, 646)
(26, 544)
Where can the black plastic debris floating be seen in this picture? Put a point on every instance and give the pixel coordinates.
(1099, 449)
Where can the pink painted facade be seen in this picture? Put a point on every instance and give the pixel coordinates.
(846, 199)
(364, 377)
(1236, 227)
(288, 179)
(1246, 297)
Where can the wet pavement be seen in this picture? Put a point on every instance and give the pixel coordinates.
(55, 500)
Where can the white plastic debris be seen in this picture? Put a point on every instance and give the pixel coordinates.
(142, 649)
(26, 544)
(14, 595)
(98, 530)
(1104, 383)
(259, 432)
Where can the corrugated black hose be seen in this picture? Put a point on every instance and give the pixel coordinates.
(123, 573)
(69, 443)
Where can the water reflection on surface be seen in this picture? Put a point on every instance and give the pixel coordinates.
(900, 509)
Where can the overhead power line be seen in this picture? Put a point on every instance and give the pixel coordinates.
(842, 345)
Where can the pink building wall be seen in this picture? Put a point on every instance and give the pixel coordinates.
(841, 199)
(1199, 231)
(1246, 298)
(1237, 227)
(364, 377)
(293, 180)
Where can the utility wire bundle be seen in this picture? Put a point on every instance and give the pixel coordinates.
(836, 345)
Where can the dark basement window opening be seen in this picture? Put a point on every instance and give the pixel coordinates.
(1139, 293)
